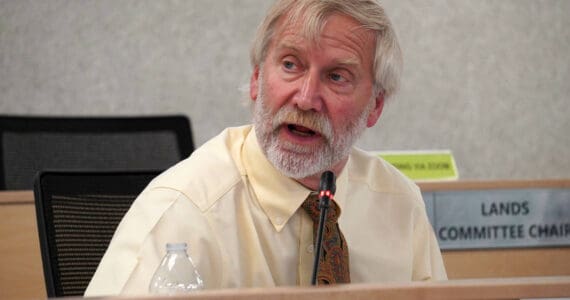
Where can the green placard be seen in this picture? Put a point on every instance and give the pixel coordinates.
(423, 165)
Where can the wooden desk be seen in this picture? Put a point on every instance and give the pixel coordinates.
(21, 274)
(486, 289)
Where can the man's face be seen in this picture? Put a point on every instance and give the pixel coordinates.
(313, 100)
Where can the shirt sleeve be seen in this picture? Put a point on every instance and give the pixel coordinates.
(157, 217)
(428, 262)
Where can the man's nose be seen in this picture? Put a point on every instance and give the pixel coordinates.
(309, 96)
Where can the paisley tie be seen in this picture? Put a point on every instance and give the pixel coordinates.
(333, 263)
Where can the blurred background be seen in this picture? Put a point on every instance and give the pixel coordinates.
(488, 80)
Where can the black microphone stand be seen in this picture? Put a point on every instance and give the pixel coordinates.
(323, 206)
(327, 190)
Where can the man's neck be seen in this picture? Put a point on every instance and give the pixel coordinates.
(313, 182)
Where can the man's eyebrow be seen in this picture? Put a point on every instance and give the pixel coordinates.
(348, 62)
(345, 62)
(287, 45)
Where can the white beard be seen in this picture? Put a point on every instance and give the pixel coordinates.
(300, 161)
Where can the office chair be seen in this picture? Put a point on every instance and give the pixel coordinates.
(77, 213)
(31, 144)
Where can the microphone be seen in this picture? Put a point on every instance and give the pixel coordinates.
(327, 185)
(327, 189)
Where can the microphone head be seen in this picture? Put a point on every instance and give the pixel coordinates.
(328, 182)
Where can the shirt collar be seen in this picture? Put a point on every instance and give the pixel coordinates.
(279, 196)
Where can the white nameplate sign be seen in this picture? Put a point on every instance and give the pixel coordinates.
(500, 218)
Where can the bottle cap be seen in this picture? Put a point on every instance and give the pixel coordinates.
(176, 246)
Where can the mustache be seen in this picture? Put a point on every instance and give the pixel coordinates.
(309, 119)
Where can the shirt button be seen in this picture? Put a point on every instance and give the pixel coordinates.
(311, 248)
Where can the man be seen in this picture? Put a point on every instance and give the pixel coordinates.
(321, 73)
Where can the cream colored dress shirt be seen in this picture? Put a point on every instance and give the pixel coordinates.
(244, 226)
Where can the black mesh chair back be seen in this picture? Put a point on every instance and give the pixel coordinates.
(31, 144)
(77, 214)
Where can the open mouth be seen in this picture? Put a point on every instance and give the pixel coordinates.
(301, 130)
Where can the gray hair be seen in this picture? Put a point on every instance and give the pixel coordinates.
(314, 13)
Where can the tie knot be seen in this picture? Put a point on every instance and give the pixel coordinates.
(311, 206)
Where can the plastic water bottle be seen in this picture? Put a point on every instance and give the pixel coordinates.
(176, 273)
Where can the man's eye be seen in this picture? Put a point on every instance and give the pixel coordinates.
(288, 65)
(336, 77)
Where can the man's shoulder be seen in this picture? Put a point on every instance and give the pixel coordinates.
(378, 174)
(211, 171)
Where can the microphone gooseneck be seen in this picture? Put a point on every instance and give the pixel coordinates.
(327, 188)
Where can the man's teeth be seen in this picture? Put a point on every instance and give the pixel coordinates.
(302, 131)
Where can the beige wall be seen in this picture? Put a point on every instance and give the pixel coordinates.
(487, 79)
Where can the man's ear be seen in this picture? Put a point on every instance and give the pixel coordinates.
(376, 111)
(254, 83)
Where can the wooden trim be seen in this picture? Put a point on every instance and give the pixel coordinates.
(503, 184)
(21, 271)
(16, 197)
(508, 262)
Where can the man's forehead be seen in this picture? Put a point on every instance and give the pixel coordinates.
(309, 27)
(297, 37)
